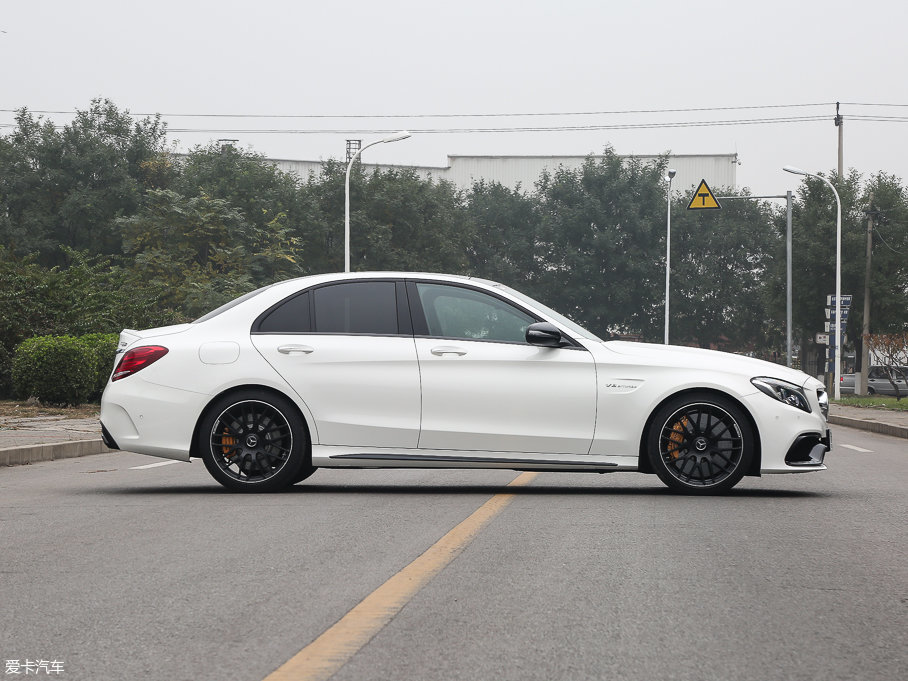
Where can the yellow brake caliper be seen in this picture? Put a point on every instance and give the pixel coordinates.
(227, 442)
(677, 437)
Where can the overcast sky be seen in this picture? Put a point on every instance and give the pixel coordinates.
(424, 58)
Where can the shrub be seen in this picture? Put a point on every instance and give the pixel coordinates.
(103, 347)
(55, 369)
(6, 367)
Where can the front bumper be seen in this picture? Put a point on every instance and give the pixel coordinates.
(809, 449)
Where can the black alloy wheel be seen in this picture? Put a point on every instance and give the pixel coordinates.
(254, 442)
(700, 444)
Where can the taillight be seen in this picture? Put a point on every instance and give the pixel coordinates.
(137, 359)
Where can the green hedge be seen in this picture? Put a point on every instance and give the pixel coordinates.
(63, 369)
(104, 350)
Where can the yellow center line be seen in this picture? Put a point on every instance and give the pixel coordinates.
(322, 658)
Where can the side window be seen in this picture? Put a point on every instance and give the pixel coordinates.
(356, 307)
(291, 316)
(455, 312)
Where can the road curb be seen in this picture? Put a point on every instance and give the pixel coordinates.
(872, 426)
(18, 456)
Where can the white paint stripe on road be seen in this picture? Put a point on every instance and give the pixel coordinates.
(858, 449)
(170, 461)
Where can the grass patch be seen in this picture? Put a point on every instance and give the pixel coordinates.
(23, 409)
(876, 401)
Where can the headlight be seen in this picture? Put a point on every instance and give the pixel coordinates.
(783, 391)
(823, 399)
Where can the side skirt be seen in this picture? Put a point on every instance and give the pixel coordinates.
(391, 460)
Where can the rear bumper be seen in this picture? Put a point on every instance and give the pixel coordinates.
(107, 438)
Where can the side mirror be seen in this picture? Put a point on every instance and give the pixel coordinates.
(544, 335)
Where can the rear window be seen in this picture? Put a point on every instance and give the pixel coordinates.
(233, 303)
(290, 316)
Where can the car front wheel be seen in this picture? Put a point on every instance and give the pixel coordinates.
(700, 444)
(253, 442)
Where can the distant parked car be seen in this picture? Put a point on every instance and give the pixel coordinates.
(878, 382)
(846, 384)
(881, 382)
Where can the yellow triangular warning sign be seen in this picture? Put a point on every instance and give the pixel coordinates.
(703, 199)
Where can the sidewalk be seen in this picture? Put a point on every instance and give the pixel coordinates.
(46, 438)
(884, 421)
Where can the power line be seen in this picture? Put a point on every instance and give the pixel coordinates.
(518, 129)
(550, 128)
(616, 112)
(528, 129)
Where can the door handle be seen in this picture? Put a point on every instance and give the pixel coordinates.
(448, 350)
(295, 349)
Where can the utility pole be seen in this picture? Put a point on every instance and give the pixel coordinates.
(860, 386)
(840, 124)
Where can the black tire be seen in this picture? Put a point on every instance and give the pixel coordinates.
(303, 473)
(871, 391)
(700, 443)
(253, 441)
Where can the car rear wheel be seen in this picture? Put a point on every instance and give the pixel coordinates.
(254, 441)
(700, 444)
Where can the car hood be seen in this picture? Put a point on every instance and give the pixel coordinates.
(713, 360)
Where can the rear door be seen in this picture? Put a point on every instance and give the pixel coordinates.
(347, 350)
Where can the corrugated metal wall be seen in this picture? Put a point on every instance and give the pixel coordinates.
(719, 170)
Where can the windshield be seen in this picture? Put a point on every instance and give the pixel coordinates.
(573, 327)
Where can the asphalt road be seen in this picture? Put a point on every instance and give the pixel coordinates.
(156, 573)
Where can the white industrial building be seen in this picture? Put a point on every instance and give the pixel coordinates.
(719, 170)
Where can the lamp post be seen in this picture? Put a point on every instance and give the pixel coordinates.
(838, 276)
(668, 243)
(396, 137)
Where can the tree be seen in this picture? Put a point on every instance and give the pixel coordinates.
(505, 226)
(398, 221)
(68, 186)
(886, 201)
(88, 294)
(273, 203)
(719, 270)
(599, 244)
(814, 259)
(404, 222)
(196, 252)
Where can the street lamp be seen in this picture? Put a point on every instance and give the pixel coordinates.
(668, 243)
(838, 276)
(396, 137)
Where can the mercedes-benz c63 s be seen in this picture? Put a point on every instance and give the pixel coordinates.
(393, 370)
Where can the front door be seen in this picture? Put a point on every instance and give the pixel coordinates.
(485, 389)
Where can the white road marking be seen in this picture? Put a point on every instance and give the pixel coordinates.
(858, 449)
(170, 461)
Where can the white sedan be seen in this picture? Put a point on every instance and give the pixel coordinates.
(403, 370)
